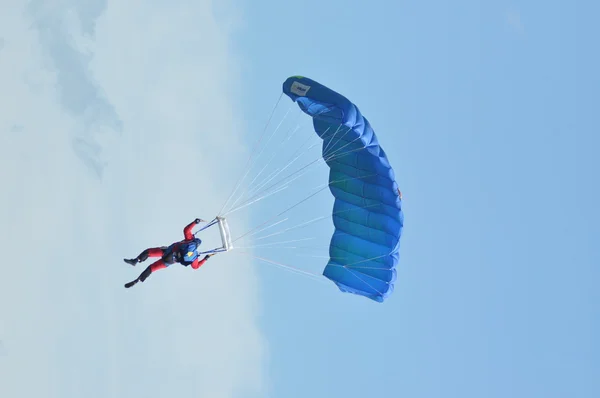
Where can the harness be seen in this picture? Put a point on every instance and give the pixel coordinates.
(184, 252)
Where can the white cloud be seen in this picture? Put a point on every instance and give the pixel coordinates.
(115, 118)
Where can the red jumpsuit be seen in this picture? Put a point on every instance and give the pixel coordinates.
(165, 261)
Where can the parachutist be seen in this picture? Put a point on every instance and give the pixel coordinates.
(184, 252)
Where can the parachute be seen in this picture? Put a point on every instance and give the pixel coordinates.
(363, 252)
(367, 211)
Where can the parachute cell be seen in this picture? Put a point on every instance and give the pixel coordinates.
(367, 211)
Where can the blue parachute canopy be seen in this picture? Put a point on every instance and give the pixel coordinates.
(367, 212)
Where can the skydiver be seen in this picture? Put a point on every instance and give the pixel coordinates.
(184, 252)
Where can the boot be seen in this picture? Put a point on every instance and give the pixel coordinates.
(130, 284)
(132, 261)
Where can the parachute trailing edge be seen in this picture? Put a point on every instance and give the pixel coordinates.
(367, 211)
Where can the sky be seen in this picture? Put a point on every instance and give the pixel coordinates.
(123, 121)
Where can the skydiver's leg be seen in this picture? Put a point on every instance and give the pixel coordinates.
(143, 256)
(151, 252)
(160, 264)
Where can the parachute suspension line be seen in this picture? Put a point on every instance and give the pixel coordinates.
(256, 147)
(364, 281)
(252, 191)
(303, 247)
(243, 193)
(344, 180)
(311, 137)
(311, 275)
(283, 180)
(328, 257)
(275, 173)
(303, 225)
(250, 185)
(266, 165)
(286, 186)
(265, 228)
(318, 159)
(281, 213)
(273, 245)
(210, 224)
(286, 181)
(251, 165)
(285, 140)
(281, 247)
(256, 200)
(332, 155)
(292, 228)
(279, 171)
(313, 256)
(353, 265)
(350, 267)
(239, 181)
(263, 149)
(250, 201)
(258, 175)
(310, 222)
(276, 243)
(332, 137)
(348, 129)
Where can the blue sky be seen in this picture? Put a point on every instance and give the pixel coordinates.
(487, 111)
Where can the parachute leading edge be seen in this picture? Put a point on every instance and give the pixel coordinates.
(367, 211)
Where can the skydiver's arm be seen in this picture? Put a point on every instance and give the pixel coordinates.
(197, 264)
(187, 231)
